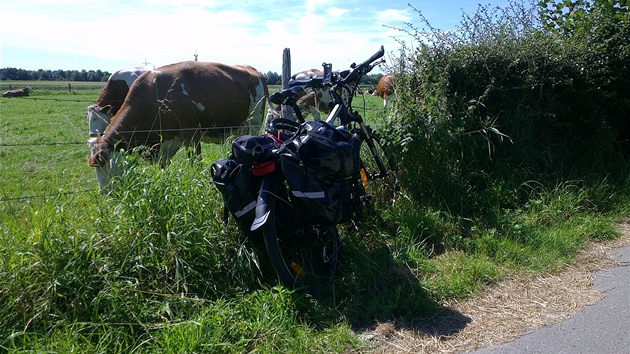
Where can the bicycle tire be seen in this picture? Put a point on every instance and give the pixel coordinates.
(381, 189)
(303, 256)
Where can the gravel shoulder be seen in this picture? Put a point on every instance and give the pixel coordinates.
(508, 310)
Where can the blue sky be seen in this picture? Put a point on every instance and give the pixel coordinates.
(114, 34)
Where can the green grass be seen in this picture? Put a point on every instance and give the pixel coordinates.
(153, 268)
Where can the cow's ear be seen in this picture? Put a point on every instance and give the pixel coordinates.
(106, 109)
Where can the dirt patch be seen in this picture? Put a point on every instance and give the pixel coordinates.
(507, 310)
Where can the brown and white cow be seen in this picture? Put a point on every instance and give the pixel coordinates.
(385, 88)
(18, 92)
(314, 100)
(180, 104)
(112, 97)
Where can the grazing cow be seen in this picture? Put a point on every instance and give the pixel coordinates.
(180, 104)
(112, 97)
(385, 88)
(314, 100)
(18, 92)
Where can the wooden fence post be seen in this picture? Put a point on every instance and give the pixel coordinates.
(287, 112)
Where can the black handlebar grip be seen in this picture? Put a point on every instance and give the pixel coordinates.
(359, 69)
(374, 57)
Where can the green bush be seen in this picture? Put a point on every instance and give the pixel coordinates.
(502, 100)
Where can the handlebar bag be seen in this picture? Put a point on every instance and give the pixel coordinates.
(239, 189)
(317, 162)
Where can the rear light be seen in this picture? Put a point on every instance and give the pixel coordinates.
(263, 168)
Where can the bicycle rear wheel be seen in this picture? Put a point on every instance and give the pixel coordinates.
(303, 256)
(380, 186)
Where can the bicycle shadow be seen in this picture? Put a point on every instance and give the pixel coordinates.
(371, 289)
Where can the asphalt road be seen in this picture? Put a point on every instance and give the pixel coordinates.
(602, 328)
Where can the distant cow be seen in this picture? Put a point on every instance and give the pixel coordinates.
(385, 88)
(18, 92)
(180, 104)
(112, 97)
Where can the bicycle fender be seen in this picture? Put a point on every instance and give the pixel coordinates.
(262, 204)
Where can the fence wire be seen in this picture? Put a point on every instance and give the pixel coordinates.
(39, 196)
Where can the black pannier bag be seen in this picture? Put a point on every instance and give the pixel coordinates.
(239, 189)
(238, 186)
(317, 162)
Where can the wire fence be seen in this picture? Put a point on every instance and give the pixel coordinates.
(46, 195)
(57, 143)
(52, 85)
(9, 144)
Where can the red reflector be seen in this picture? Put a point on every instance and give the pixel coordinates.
(263, 168)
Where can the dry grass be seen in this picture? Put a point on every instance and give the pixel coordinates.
(506, 311)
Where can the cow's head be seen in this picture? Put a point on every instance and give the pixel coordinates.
(106, 162)
(98, 119)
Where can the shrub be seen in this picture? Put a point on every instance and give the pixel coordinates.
(504, 99)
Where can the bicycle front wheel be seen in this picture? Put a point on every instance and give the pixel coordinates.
(303, 256)
(381, 185)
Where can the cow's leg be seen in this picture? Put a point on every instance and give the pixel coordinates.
(168, 148)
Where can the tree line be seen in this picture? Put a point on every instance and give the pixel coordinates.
(54, 75)
(273, 78)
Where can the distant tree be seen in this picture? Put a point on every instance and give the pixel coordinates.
(43, 75)
(273, 78)
(75, 75)
(371, 79)
(14, 74)
(61, 75)
(53, 75)
(92, 77)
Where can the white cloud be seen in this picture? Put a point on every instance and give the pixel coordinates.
(394, 15)
(164, 32)
(337, 12)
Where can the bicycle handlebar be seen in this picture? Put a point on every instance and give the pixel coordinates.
(350, 75)
(364, 67)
